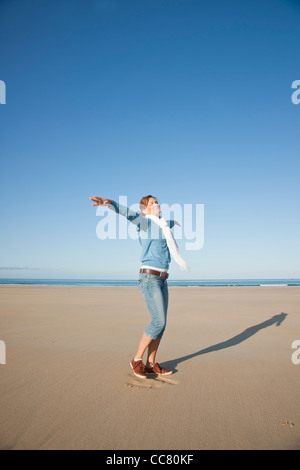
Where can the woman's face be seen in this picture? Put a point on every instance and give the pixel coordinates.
(153, 208)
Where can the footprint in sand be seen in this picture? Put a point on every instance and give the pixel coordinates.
(157, 382)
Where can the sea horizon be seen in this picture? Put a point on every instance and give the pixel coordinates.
(134, 282)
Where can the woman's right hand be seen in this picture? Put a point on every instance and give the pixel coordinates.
(100, 201)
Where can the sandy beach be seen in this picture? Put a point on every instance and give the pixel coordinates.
(67, 384)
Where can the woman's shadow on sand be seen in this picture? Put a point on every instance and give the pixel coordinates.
(252, 330)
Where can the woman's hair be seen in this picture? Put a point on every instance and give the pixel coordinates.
(144, 201)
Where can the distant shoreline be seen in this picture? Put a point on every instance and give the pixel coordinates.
(134, 282)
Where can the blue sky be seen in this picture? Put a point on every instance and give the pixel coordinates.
(184, 99)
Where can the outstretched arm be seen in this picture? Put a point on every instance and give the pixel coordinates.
(99, 201)
(131, 215)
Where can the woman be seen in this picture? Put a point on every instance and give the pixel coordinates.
(157, 241)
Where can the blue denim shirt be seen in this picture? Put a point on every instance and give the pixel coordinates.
(155, 251)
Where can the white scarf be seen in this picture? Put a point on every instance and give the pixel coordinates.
(172, 245)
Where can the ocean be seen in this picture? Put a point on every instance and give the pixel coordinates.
(134, 282)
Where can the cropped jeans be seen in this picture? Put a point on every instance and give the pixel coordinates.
(155, 292)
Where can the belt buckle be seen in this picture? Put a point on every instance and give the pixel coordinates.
(161, 274)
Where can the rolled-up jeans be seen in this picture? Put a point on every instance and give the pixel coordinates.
(155, 292)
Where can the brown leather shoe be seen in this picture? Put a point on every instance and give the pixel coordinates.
(157, 369)
(138, 369)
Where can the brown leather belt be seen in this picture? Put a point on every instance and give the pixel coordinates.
(156, 273)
